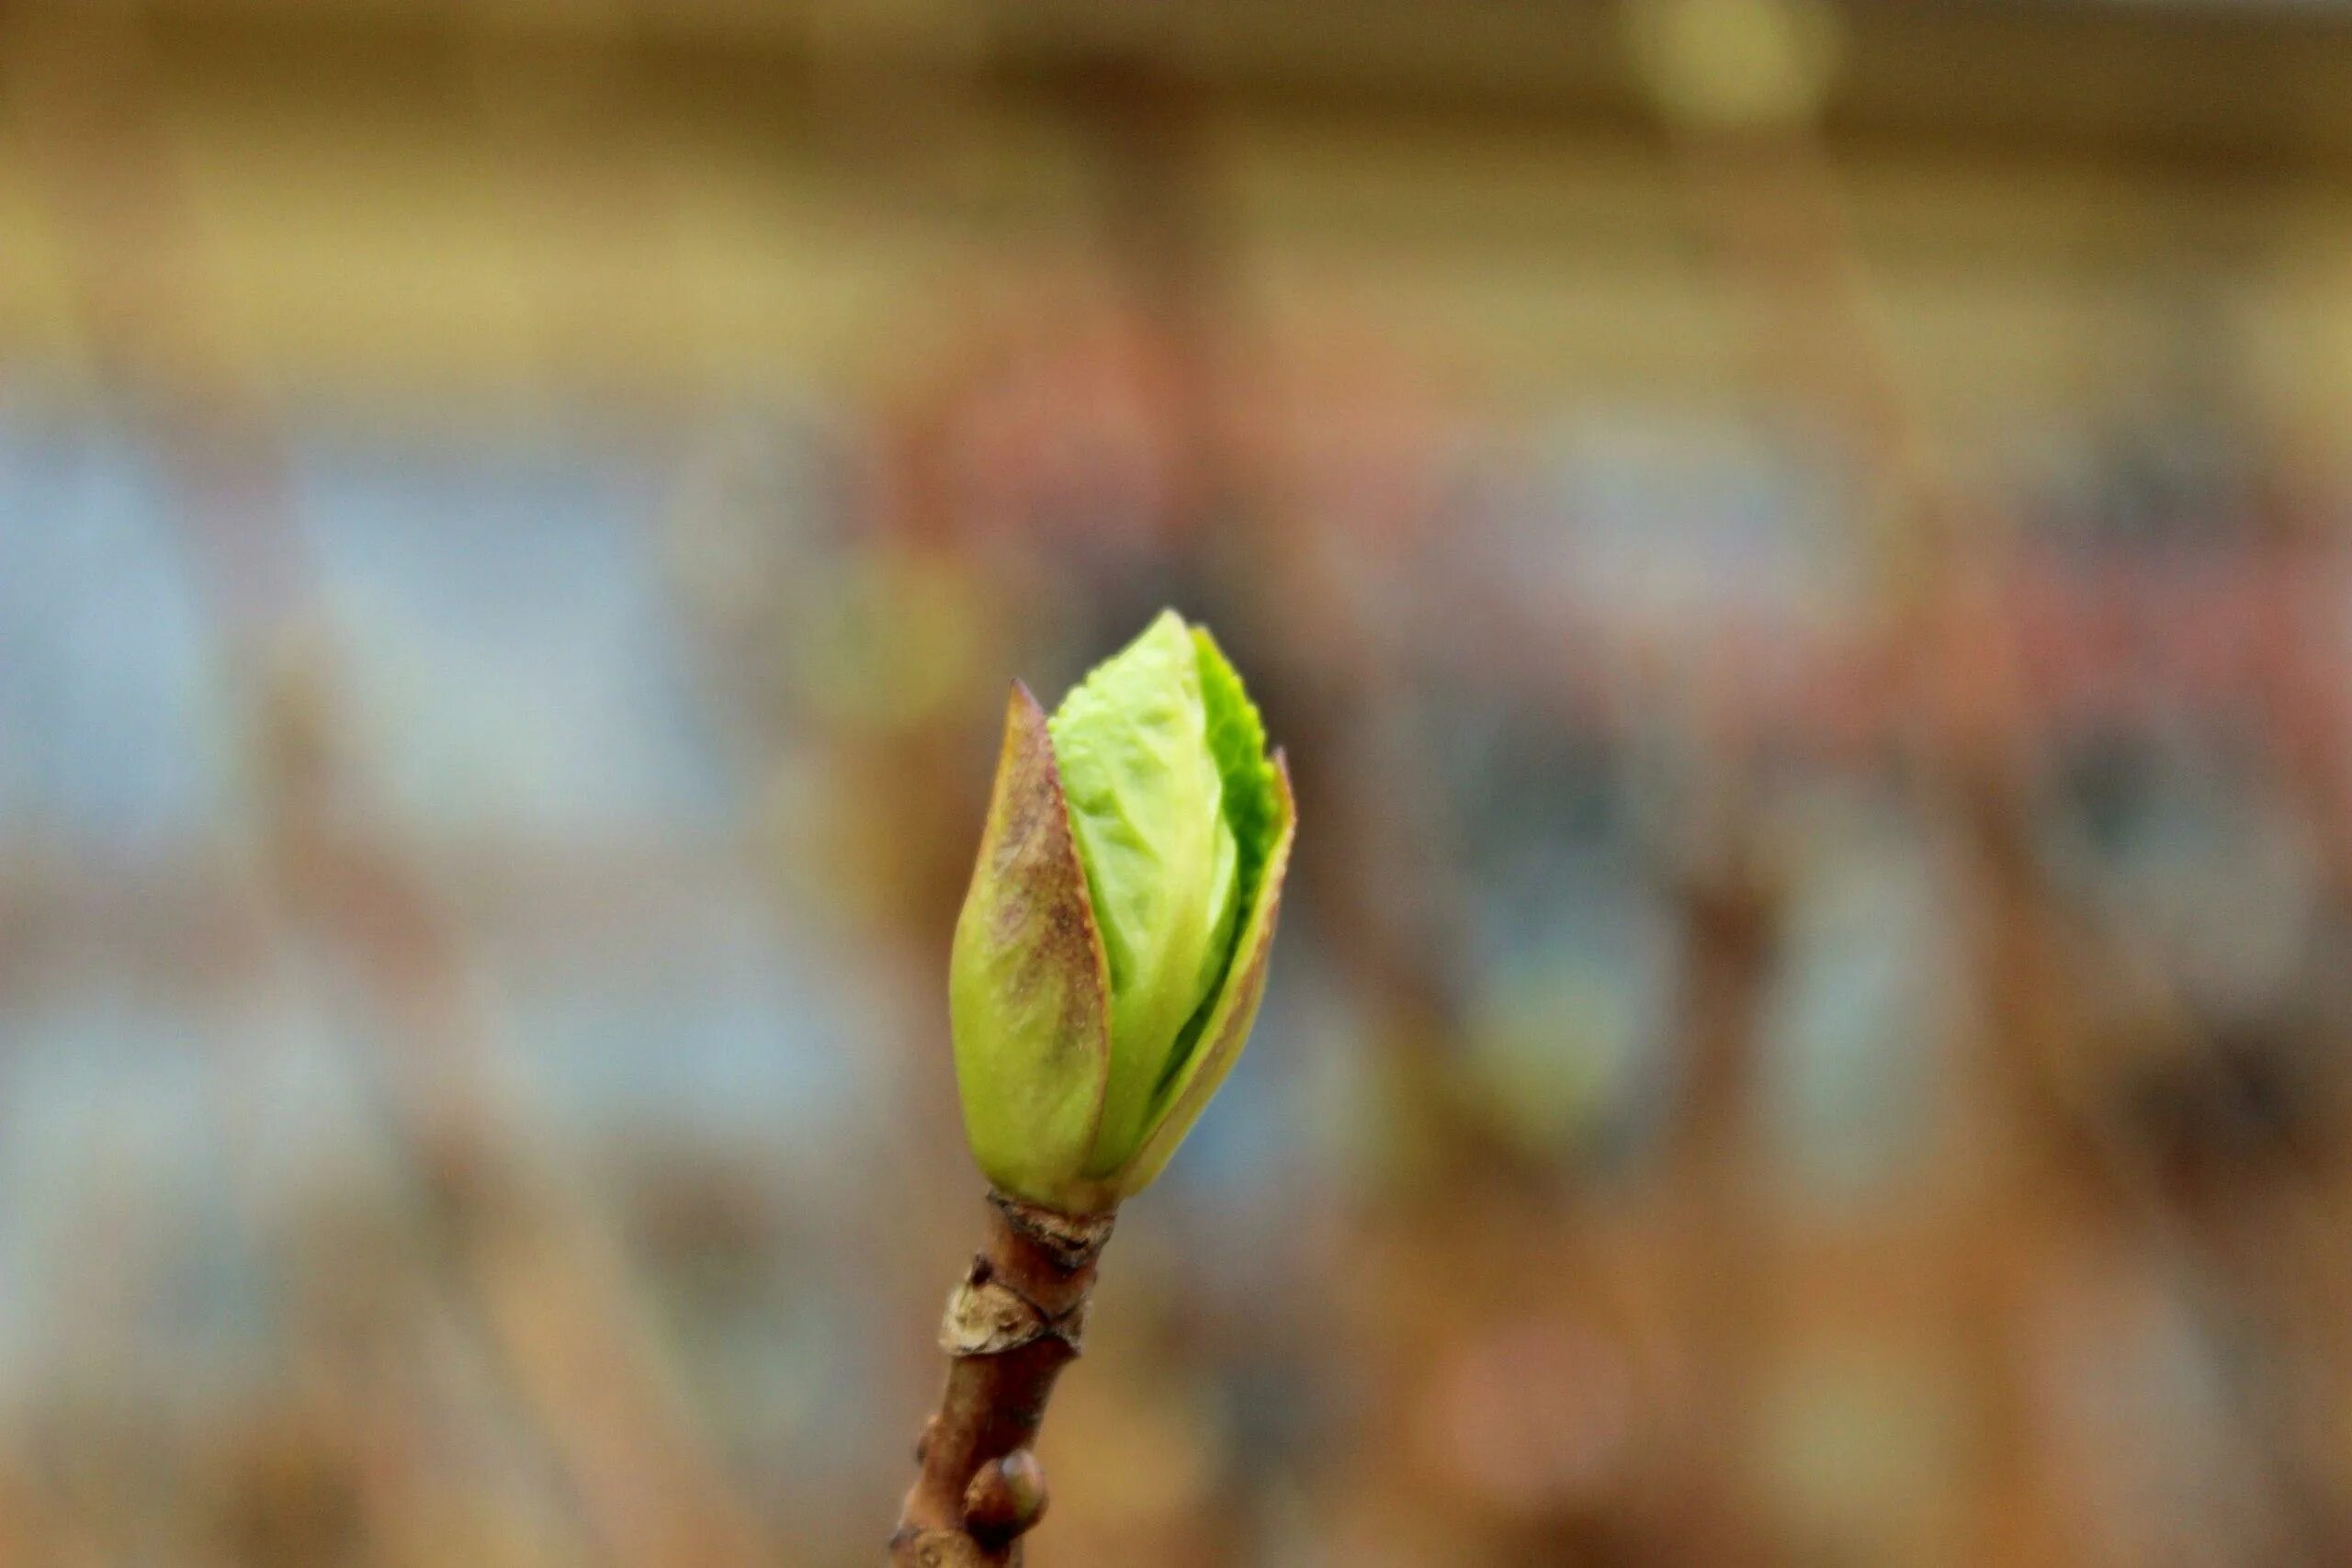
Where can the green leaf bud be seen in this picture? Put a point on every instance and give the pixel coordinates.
(1112, 950)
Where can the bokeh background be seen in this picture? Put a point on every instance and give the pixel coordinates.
(1799, 555)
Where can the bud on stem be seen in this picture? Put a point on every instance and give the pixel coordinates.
(1108, 965)
(1112, 951)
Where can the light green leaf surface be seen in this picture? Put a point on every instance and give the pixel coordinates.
(1028, 990)
(1114, 947)
(1146, 806)
(1231, 1011)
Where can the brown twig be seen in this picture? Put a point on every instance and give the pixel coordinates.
(1012, 1325)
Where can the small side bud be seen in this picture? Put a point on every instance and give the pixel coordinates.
(922, 1443)
(1006, 1498)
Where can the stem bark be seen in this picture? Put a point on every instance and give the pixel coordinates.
(1012, 1325)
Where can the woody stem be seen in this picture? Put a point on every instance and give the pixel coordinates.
(1013, 1323)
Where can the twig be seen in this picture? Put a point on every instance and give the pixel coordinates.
(1012, 1325)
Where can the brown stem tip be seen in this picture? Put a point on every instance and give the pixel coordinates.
(1012, 1325)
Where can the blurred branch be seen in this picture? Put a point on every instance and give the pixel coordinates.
(1766, 188)
(550, 1297)
(1729, 907)
(549, 1290)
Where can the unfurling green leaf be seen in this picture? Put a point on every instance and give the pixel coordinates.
(1112, 947)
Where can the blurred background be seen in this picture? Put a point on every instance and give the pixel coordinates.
(1799, 554)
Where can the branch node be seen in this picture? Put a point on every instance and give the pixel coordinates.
(987, 1317)
(1012, 1324)
(1072, 1241)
